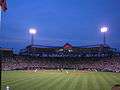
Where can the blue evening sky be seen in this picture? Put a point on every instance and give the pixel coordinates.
(57, 22)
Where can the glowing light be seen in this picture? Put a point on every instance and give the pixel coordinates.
(32, 31)
(104, 29)
(7, 88)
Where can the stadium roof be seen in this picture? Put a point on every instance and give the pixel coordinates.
(67, 45)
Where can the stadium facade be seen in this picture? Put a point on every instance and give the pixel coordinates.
(68, 50)
(6, 52)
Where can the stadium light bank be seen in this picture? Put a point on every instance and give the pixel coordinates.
(32, 32)
(104, 30)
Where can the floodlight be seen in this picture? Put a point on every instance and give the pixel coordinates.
(104, 29)
(32, 31)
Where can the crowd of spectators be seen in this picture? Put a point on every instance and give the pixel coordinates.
(31, 63)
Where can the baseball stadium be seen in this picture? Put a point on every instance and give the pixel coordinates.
(54, 45)
(94, 67)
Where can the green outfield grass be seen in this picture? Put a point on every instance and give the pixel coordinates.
(55, 80)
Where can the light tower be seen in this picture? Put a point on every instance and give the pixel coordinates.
(32, 32)
(104, 30)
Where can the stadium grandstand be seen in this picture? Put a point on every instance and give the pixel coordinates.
(68, 50)
(6, 52)
(90, 58)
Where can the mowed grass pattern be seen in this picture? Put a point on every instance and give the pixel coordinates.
(55, 80)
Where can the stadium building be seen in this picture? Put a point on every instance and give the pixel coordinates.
(6, 52)
(68, 50)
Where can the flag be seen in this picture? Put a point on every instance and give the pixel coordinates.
(3, 5)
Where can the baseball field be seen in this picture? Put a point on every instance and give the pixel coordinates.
(57, 80)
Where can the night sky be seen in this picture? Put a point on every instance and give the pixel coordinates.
(77, 22)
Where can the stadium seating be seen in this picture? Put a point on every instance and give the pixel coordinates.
(32, 63)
